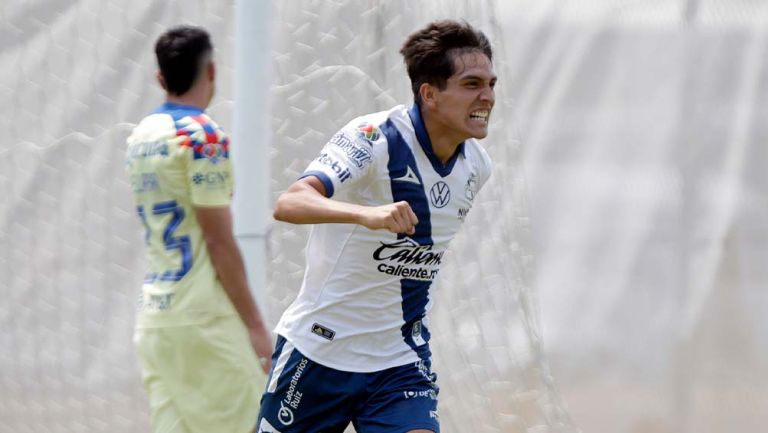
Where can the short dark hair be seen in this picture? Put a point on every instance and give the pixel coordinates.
(180, 54)
(429, 52)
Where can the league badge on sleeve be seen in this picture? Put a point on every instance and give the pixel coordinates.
(368, 131)
(206, 141)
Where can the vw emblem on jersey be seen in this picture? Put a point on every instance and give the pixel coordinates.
(440, 194)
(284, 415)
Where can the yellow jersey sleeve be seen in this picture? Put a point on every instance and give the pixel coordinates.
(177, 159)
(209, 169)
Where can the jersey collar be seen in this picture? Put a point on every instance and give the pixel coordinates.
(426, 144)
(178, 111)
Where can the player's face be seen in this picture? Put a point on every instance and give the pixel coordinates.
(464, 106)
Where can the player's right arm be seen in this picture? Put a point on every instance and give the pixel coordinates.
(305, 202)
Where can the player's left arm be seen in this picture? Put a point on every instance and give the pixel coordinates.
(305, 202)
(486, 167)
(216, 225)
(210, 182)
(345, 161)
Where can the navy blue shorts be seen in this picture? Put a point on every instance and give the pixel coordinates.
(303, 396)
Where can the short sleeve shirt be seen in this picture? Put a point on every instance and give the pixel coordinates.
(365, 296)
(177, 159)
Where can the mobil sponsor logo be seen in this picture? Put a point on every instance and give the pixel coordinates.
(341, 171)
(359, 153)
(406, 258)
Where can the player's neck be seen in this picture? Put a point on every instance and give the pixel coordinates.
(444, 141)
(194, 97)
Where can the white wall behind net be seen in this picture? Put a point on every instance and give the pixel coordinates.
(636, 125)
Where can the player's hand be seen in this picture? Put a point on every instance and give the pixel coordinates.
(396, 217)
(262, 345)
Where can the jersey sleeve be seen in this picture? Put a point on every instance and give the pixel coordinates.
(485, 167)
(346, 158)
(209, 169)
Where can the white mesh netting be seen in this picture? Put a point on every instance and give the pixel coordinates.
(642, 144)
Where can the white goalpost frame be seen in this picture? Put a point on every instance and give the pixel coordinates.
(251, 138)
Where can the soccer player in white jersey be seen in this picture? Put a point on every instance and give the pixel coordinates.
(387, 194)
(199, 334)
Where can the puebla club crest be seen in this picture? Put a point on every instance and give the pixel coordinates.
(471, 188)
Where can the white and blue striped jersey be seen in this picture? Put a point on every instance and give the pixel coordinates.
(363, 302)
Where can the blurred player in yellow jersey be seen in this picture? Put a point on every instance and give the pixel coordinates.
(203, 347)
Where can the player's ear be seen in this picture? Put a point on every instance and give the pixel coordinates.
(428, 95)
(211, 71)
(161, 80)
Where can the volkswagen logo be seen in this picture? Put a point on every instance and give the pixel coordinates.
(440, 194)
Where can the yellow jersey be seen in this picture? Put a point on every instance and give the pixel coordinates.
(178, 158)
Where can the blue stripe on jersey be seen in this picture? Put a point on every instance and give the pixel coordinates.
(426, 144)
(323, 178)
(415, 293)
(178, 111)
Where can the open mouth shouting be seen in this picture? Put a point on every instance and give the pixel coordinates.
(480, 115)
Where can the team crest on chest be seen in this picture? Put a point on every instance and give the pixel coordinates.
(471, 189)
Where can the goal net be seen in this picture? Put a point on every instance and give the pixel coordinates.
(78, 72)
(643, 146)
(337, 60)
